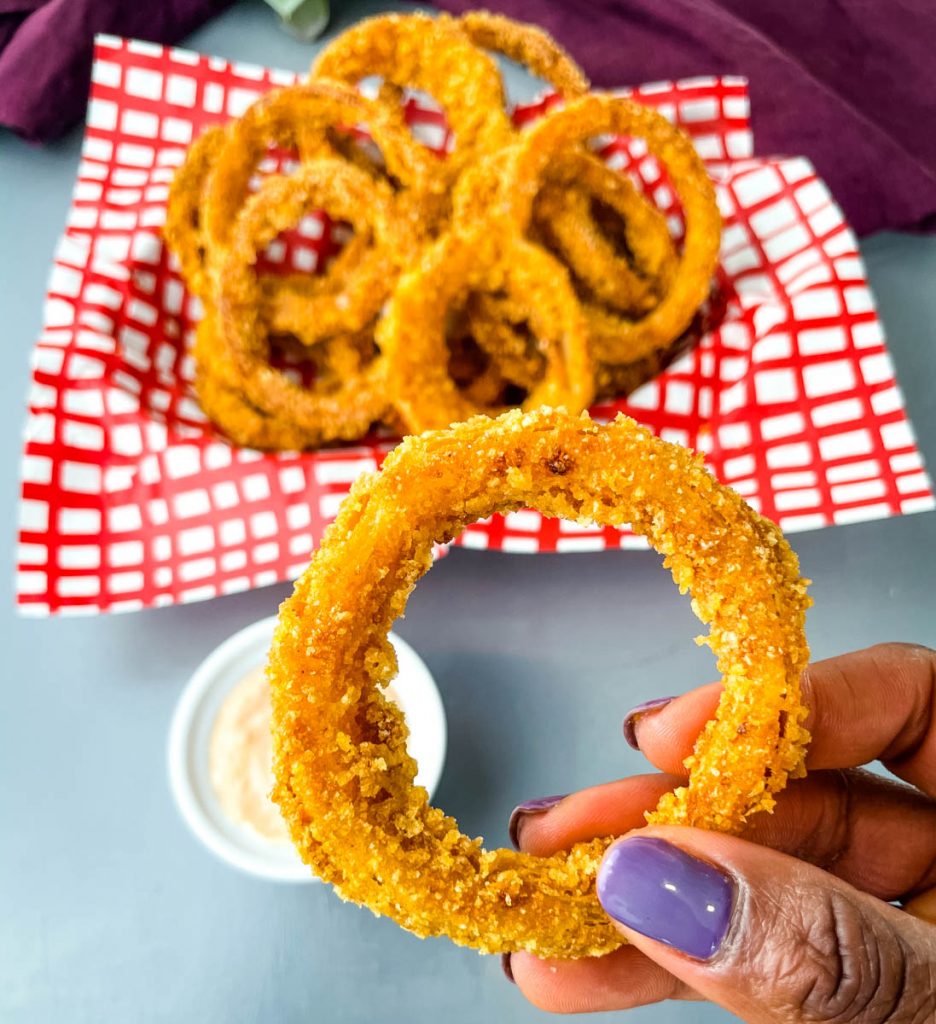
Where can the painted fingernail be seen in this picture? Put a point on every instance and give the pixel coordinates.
(664, 893)
(505, 966)
(635, 714)
(521, 811)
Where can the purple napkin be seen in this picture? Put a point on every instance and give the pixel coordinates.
(46, 47)
(847, 83)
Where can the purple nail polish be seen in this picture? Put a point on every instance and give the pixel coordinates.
(506, 968)
(635, 714)
(664, 893)
(530, 807)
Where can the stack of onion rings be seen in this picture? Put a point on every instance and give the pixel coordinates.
(518, 269)
(344, 780)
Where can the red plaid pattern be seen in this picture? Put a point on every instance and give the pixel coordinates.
(130, 499)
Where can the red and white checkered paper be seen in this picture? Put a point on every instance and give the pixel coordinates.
(131, 499)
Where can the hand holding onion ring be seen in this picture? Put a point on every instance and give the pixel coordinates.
(344, 779)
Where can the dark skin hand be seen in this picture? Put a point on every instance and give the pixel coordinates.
(794, 921)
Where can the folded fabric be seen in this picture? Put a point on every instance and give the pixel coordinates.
(46, 47)
(848, 83)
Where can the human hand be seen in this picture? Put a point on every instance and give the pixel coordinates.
(793, 921)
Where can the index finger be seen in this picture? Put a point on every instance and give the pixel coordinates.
(875, 704)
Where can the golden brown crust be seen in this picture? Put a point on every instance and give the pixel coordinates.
(500, 327)
(344, 779)
(564, 213)
(217, 385)
(303, 117)
(348, 193)
(412, 333)
(431, 54)
(601, 113)
(528, 45)
(184, 228)
(600, 304)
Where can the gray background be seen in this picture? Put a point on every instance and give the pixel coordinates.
(111, 911)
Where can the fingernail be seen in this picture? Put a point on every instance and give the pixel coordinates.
(635, 714)
(530, 807)
(505, 965)
(664, 893)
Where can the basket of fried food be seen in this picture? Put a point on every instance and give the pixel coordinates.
(518, 269)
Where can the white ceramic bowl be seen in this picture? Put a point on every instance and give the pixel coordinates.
(190, 734)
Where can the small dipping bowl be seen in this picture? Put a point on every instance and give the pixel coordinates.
(234, 842)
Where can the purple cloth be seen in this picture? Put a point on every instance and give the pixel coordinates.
(847, 83)
(46, 48)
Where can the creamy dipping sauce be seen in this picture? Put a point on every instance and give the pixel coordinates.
(240, 757)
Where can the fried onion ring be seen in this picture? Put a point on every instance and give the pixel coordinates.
(302, 116)
(314, 307)
(184, 229)
(597, 114)
(347, 193)
(564, 213)
(528, 45)
(223, 401)
(433, 55)
(499, 327)
(344, 780)
(412, 332)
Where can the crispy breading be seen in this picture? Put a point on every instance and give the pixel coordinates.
(344, 780)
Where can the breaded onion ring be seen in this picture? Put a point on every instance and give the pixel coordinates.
(528, 45)
(306, 116)
(291, 302)
(433, 55)
(184, 230)
(412, 333)
(348, 194)
(564, 214)
(571, 126)
(346, 298)
(223, 400)
(499, 327)
(344, 780)
(302, 116)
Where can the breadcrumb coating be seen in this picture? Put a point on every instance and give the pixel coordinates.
(344, 780)
(433, 55)
(528, 45)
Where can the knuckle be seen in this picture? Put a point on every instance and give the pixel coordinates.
(852, 968)
(906, 647)
(898, 650)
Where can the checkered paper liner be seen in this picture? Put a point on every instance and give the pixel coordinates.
(131, 499)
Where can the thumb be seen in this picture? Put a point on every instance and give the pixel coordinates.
(768, 937)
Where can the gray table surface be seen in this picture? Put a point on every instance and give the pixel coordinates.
(111, 911)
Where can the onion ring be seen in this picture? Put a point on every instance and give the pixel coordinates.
(301, 116)
(499, 327)
(563, 214)
(304, 115)
(347, 193)
(314, 307)
(473, 372)
(433, 55)
(183, 230)
(598, 114)
(529, 46)
(412, 332)
(344, 781)
(216, 384)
